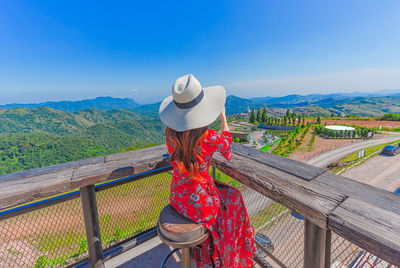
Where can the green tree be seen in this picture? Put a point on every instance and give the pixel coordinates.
(259, 116)
(252, 118)
(264, 115)
(319, 120)
(293, 119)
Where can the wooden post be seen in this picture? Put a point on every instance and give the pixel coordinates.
(314, 245)
(328, 244)
(91, 217)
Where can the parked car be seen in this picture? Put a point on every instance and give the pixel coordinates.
(397, 191)
(391, 149)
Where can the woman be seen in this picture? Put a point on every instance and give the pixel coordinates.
(194, 194)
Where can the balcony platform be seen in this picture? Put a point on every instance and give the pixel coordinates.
(149, 254)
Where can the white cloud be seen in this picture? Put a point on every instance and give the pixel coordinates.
(134, 90)
(355, 80)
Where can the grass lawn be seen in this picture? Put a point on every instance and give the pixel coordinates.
(267, 214)
(269, 146)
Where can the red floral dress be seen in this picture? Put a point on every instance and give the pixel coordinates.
(217, 206)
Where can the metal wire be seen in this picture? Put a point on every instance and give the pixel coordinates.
(345, 254)
(167, 257)
(53, 236)
(129, 209)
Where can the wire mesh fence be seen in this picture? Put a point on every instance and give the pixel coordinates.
(273, 223)
(132, 208)
(53, 236)
(345, 254)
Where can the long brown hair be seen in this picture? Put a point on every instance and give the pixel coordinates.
(185, 143)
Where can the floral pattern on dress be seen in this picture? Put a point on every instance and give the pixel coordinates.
(217, 206)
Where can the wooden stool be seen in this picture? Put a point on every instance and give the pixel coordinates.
(179, 232)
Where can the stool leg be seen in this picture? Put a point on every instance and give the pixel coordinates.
(187, 259)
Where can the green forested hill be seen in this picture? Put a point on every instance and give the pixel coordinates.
(31, 138)
(48, 120)
(27, 151)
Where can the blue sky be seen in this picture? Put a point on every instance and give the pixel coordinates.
(56, 50)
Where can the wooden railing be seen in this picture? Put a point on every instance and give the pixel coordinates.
(360, 213)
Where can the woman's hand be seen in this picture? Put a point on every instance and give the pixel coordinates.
(224, 123)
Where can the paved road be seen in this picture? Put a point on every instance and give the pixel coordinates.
(257, 136)
(324, 159)
(382, 171)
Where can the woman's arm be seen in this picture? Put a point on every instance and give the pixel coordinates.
(224, 123)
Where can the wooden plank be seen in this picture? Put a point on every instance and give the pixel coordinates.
(142, 162)
(314, 245)
(373, 228)
(17, 190)
(92, 226)
(290, 166)
(162, 149)
(50, 169)
(309, 200)
(361, 191)
(20, 191)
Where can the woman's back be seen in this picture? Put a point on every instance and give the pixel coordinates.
(209, 143)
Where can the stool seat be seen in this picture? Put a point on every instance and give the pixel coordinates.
(178, 230)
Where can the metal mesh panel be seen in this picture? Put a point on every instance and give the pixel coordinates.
(53, 236)
(345, 254)
(132, 208)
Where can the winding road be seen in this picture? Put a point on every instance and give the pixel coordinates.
(324, 159)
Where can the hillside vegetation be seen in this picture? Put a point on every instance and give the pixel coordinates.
(31, 138)
(391, 117)
(40, 136)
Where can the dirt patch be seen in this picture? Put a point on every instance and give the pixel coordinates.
(320, 145)
(362, 123)
(66, 216)
(306, 141)
(18, 253)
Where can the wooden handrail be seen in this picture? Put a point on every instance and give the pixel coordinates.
(365, 215)
(19, 188)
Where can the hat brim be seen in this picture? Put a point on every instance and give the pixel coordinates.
(201, 115)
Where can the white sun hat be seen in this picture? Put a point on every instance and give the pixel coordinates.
(190, 105)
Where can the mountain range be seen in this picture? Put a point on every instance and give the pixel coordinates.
(101, 103)
(359, 103)
(41, 134)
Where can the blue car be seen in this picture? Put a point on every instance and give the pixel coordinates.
(391, 149)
